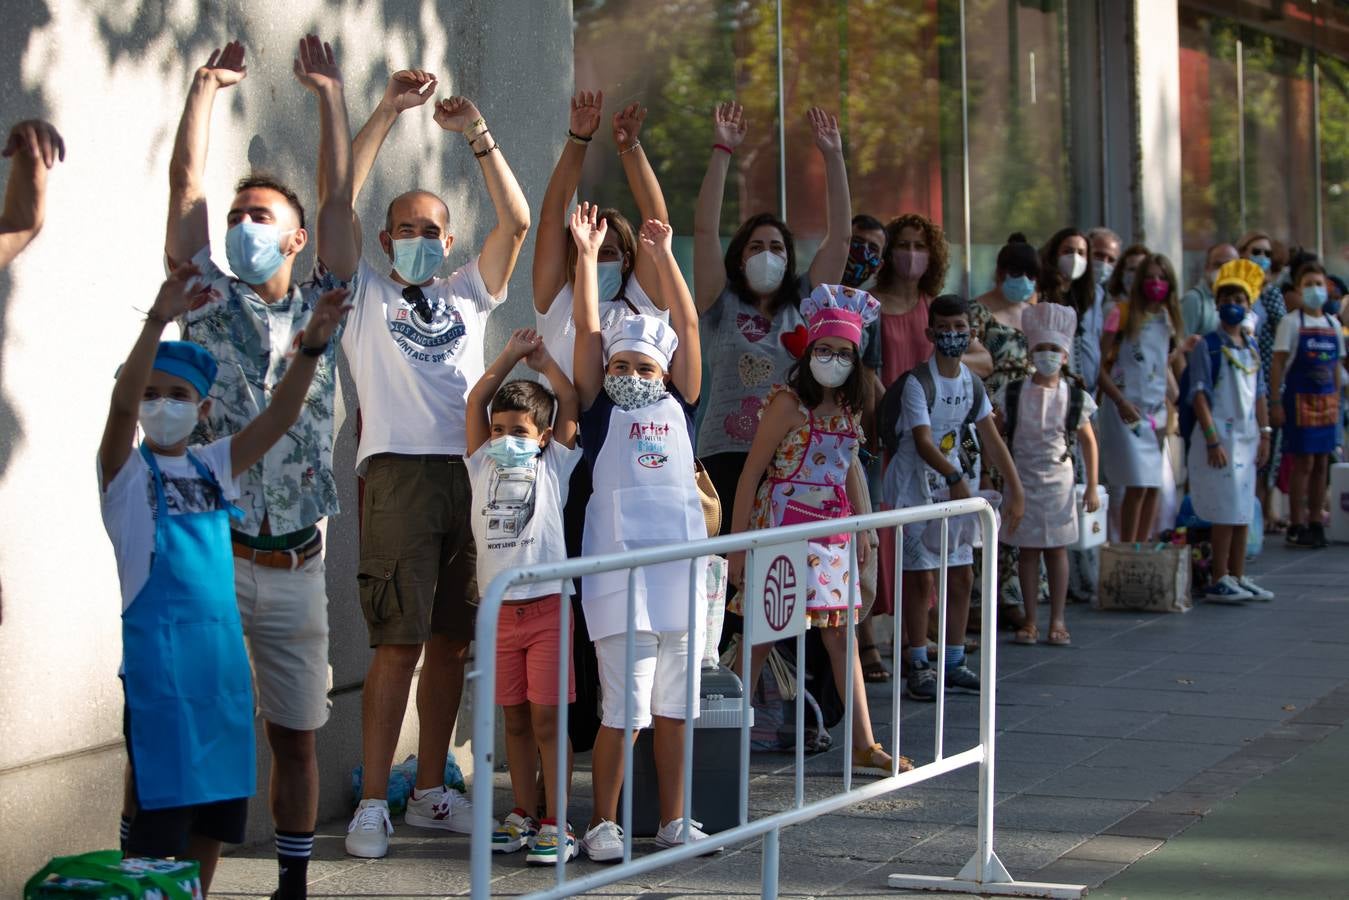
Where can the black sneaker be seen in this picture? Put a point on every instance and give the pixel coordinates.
(1318, 532)
(962, 678)
(922, 682)
(1290, 537)
(1306, 538)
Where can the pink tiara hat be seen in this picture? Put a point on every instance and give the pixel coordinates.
(837, 311)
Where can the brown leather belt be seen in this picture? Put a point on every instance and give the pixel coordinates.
(280, 559)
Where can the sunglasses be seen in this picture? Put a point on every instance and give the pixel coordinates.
(1254, 251)
(417, 300)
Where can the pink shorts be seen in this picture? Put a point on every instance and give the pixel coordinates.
(527, 636)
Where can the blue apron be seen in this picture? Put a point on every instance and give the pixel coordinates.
(189, 690)
(1311, 406)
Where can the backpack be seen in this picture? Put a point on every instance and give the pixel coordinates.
(892, 408)
(1071, 422)
(1185, 416)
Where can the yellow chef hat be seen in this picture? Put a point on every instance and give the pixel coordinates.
(1244, 274)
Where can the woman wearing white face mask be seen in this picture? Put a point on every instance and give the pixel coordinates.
(749, 297)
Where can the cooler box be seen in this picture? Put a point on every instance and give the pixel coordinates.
(1338, 502)
(716, 761)
(1091, 526)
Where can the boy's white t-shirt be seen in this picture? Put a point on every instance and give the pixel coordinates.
(1286, 337)
(557, 327)
(909, 481)
(413, 377)
(517, 515)
(128, 504)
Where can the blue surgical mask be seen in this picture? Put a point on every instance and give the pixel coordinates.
(416, 260)
(510, 451)
(610, 275)
(1232, 313)
(253, 250)
(1018, 289)
(1314, 298)
(1264, 262)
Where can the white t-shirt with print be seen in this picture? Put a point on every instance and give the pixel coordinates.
(909, 481)
(517, 515)
(1290, 326)
(557, 327)
(413, 377)
(128, 504)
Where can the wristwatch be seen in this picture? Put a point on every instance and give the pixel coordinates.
(953, 478)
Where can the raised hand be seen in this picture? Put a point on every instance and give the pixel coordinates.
(35, 141)
(178, 293)
(628, 125)
(728, 124)
(225, 66)
(327, 314)
(315, 66)
(585, 113)
(523, 342)
(539, 359)
(825, 127)
(456, 114)
(408, 88)
(588, 229)
(655, 238)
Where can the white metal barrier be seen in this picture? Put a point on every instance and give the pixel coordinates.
(983, 874)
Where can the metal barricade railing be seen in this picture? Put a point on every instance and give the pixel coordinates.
(984, 873)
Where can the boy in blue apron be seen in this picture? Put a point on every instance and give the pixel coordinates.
(166, 507)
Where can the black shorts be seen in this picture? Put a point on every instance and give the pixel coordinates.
(161, 833)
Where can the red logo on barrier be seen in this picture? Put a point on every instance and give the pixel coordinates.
(779, 593)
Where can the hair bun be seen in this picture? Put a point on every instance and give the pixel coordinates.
(1017, 237)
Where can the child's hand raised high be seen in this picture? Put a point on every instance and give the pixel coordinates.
(323, 321)
(522, 343)
(177, 294)
(655, 238)
(588, 229)
(539, 359)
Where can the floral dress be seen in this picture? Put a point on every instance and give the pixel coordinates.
(806, 482)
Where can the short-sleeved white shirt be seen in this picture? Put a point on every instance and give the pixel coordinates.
(557, 327)
(412, 376)
(1286, 337)
(517, 515)
(128, 504)
(909, 481)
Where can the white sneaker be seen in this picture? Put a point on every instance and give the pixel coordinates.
(1226, 590)
(442, 807)
(1254, 589)
(550, 842)
(671, 834)
(370, 829)
(515, 832)
(604, 842)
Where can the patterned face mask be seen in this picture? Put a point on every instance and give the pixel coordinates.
(631, 392)
(952, 344)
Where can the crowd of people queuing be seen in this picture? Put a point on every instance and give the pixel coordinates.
(817, 391)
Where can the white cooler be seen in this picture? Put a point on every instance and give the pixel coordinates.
(1091, 526)
(1338, 501)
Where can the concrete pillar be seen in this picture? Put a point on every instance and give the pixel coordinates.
(1158, 193)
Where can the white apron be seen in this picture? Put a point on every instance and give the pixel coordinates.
(644, 496)
(1047, 479)
(1224, 496)
(1132, 456)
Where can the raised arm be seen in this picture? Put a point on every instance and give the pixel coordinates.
(188, 227)
(709, 273)
(34, 146)
(830, 258)
(502, 247)
(258, 436)
(645, 190)
(338, 243)
(588, 360)
(406, 89)
(176, 295)
(550, 241)
(479, 423)
(565, 425)
(686, 369)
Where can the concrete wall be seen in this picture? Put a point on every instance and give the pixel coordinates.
(112, 76)
(1157, 195)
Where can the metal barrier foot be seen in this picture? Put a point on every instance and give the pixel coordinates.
(994, 882)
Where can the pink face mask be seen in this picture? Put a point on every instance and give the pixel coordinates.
(1156, 289)
(910, 264)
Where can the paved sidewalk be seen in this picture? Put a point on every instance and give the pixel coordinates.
(1105, 750)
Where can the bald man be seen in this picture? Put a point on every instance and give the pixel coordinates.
(1197, 307)
(415, 344)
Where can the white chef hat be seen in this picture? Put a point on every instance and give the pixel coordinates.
(644, 334)
(1049, 323)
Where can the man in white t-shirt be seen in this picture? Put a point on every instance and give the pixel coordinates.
(415, 345)
(930, 466)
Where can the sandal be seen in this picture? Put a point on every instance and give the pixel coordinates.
(873, 667)
(1059, 637)
(875, 760)
(1026, 634)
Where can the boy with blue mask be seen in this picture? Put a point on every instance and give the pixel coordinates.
(520, 460)
(166, 507)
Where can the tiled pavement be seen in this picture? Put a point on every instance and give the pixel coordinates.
(1105, 750)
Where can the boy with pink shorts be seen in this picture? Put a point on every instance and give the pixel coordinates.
(521, 456)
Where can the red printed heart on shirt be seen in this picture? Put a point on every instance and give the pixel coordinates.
(796, 341)
(755, 328)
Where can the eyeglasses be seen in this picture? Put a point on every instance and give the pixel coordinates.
(417, 300)
(827, 355)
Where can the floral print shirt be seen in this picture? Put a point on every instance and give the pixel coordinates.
(253, 342)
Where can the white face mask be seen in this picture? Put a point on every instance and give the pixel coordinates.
(764, 271)
(1101, 270)
(166, 422)
(830, 374)
(1047, 362)
(1071, 266)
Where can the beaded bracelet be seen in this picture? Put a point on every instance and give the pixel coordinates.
(631, 147)
(577, 139)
